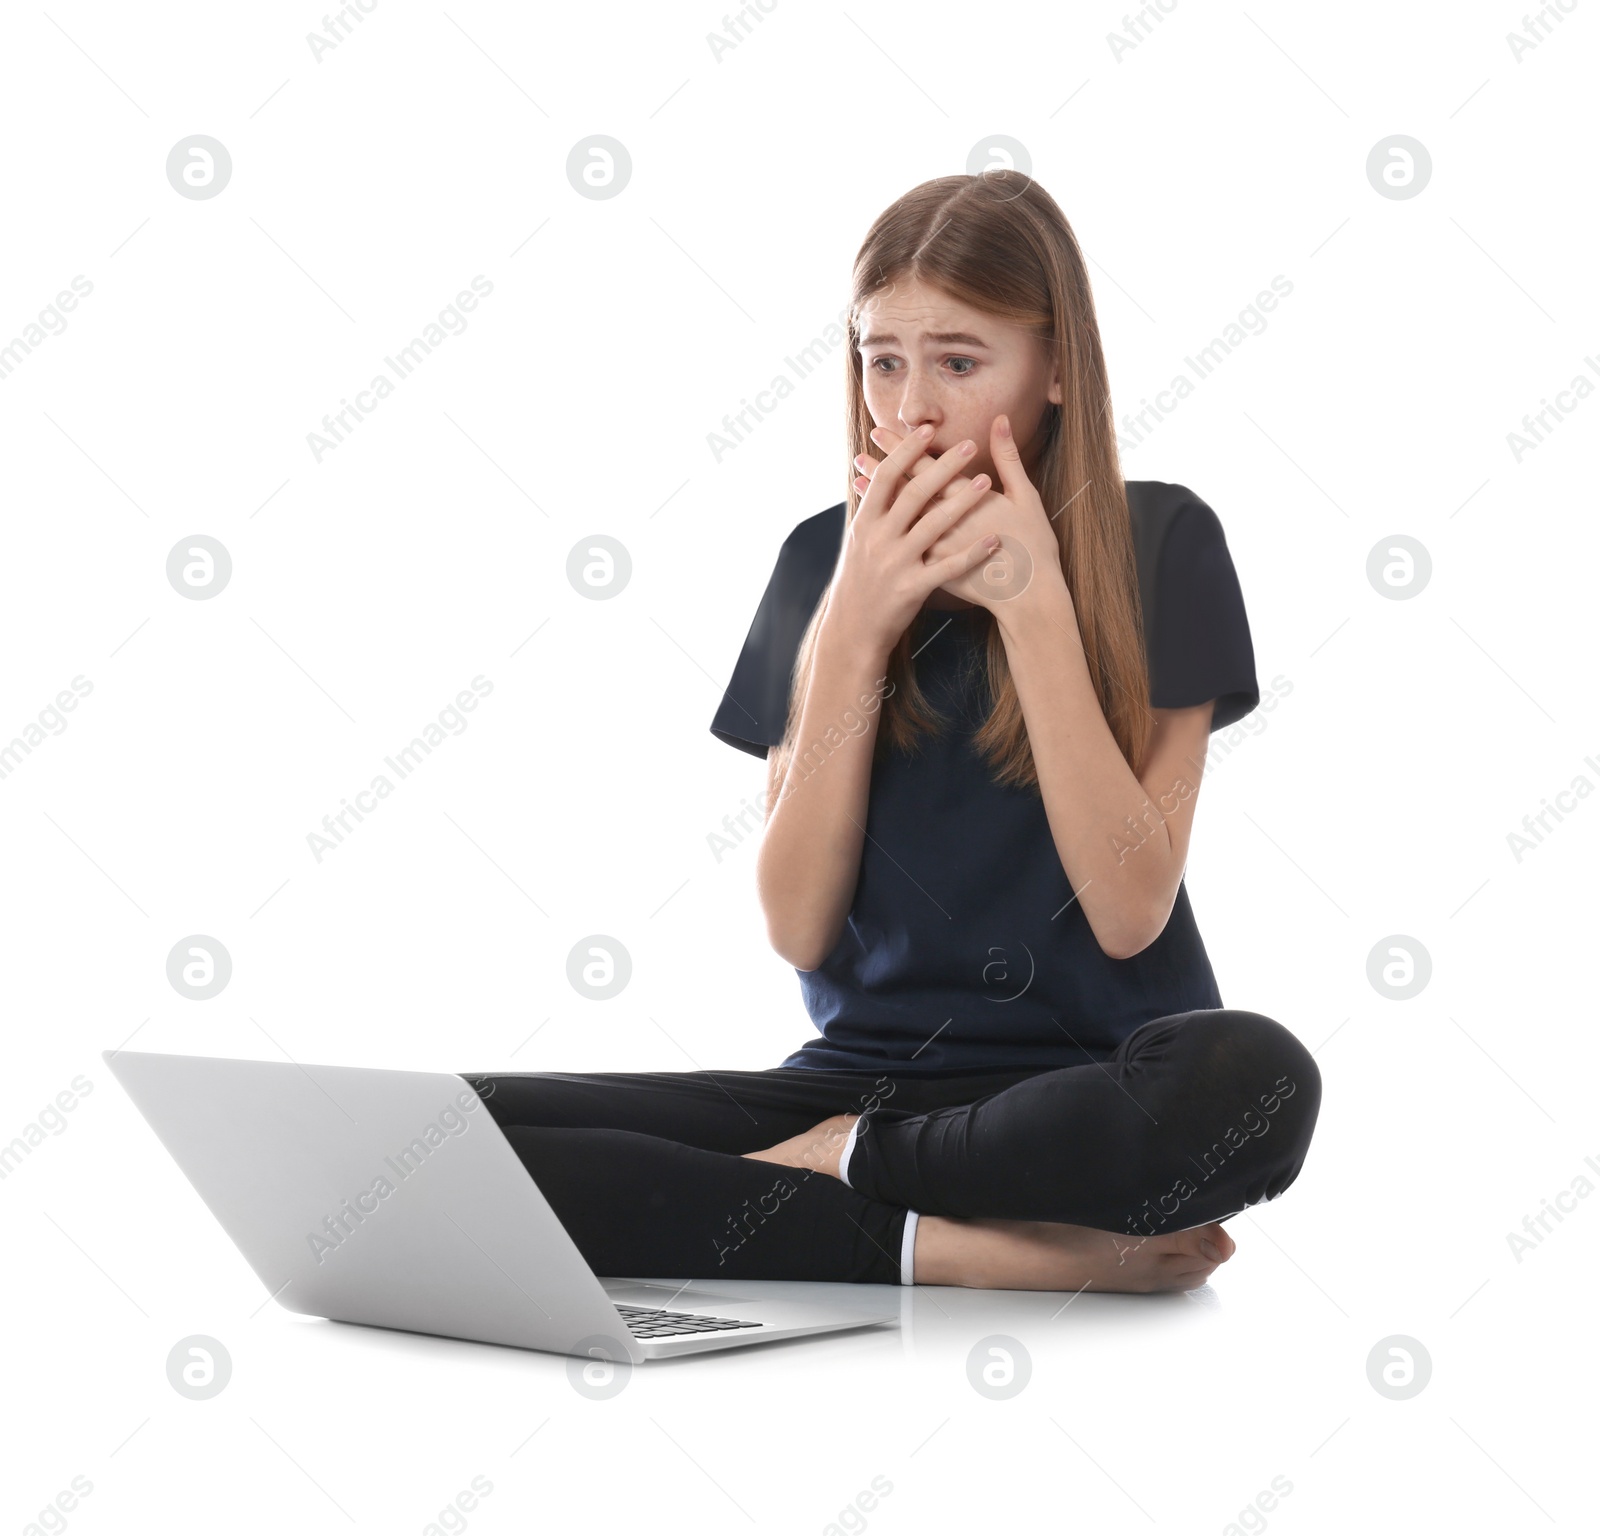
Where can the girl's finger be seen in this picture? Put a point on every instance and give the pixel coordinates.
(887, 440)
(881, 493)
(952, 486)
(939, 484)
(867, 468)
(955, 566)
(956, 503)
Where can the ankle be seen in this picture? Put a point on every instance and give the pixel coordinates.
(949, 1250)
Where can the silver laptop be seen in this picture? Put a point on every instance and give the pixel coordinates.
(393, 1198)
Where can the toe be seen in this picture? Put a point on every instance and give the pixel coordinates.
(1221, 1244)
(1189, 1276)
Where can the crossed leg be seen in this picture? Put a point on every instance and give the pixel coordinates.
(1116, 1177)
(998, 1255)
(1111, 1176)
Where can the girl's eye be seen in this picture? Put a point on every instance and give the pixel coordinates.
(960, 374)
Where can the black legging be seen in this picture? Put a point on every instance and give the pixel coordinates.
(1195, 1116)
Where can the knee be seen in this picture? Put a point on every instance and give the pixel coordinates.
(1286, 1083)
(1248, 1057)
(1269, 1047)
(1240, 1038)
(1266, 1086)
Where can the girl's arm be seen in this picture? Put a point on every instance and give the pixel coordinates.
(810, 857)
(1122, 840)
(810, 854)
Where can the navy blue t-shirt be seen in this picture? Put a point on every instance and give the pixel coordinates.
(964, 949)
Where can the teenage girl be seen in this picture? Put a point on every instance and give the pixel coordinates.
(984, 685)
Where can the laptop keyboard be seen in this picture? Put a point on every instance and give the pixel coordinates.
(656, 1323)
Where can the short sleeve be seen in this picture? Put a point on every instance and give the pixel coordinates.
(755, 705)
(1198, 636)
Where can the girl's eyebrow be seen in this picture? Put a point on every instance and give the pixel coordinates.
(947, 338)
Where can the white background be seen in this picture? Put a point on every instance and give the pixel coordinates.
(431, 547)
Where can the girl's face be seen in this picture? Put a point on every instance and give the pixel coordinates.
(927, 357)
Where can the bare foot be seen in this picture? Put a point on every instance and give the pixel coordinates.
(818, 1148)
(1056, 1256)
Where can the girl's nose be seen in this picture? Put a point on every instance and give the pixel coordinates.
(916, 404)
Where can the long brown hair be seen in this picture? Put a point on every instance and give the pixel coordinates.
(999, 242)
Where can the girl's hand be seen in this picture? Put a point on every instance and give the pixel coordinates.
(1028, 542)
(885, 574)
